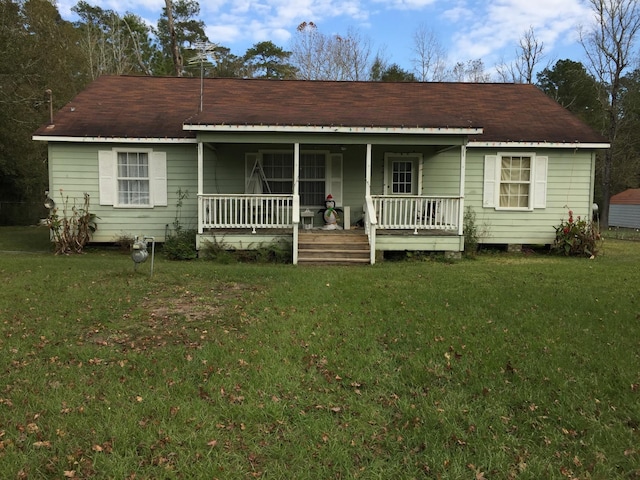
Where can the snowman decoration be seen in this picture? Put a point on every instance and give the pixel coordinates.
(330, 214)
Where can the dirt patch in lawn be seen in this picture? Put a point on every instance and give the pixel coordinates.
(180, 316)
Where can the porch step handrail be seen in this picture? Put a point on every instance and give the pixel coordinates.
(417, 212)
(247, 211)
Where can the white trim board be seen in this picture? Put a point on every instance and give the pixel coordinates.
(47, 138)
(334, 129)
(579, 145)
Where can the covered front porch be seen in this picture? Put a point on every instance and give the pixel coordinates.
(400, 195)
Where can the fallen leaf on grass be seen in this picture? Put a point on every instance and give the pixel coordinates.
(32, 428)
(212, 443)
(45, 444)
(69, 474)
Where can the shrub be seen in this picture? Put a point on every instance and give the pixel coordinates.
(217, 251)
(124, 242)
(278, 252)
(576, 237)
(181, 245)
(471, 235)
(71, 230)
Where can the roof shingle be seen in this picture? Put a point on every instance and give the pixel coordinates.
(630, 196)
(158, 107)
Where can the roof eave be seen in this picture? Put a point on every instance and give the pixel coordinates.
(572, 145)
(333, 129)
(98, 139)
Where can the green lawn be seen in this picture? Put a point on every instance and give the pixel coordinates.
(506, 366)
(25, 239)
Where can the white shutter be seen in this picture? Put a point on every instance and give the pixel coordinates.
(107, 176)
(491, 183)
(158, 177)
(540, 182)
(334, 183)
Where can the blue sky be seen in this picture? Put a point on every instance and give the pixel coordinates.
(467, 29)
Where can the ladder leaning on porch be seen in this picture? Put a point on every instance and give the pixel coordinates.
(257, 179)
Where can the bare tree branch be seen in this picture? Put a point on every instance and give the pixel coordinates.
(429, 55)
(608, 46)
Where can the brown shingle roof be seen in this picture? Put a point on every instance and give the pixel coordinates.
(628, 197)
(153, 107)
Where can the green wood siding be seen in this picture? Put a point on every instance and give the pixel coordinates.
(242, 242)
(569, 186)
(224, 168)
(441, 173)
(424, 243)
(73, 168)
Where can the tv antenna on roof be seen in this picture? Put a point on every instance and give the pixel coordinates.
(204, 50)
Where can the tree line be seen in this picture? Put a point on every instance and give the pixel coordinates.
(46, 60)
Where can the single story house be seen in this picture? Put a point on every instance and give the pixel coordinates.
(247, 162)
(624, 209)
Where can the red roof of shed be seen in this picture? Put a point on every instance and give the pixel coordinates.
(628, 197)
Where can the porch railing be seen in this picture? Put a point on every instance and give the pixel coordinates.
(411, 212)
(247, 211)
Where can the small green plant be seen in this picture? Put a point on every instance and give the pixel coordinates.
(181, 194)
(471, 235)
(278, 252)
(181, 245)
(71, 230)
(124, 242)
(576, 237)
(217, 251)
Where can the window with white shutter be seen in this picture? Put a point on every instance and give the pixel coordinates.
(132, 178)
(515, 181)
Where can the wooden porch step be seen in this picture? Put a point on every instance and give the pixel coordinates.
(333, 247)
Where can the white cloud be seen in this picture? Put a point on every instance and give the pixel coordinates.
(498, 26)
(468, 29)
(223, 34)
(406, 4)
(276, 20)
(458, 13)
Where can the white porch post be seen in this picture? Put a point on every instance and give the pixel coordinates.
(369, 207)
(367, 191)
(200, 185)
(296, 199)
(463, 166)
(296, 169)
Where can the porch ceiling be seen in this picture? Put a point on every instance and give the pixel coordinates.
(327, 138)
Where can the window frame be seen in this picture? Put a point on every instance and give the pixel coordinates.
(538, 180)
(326, 180)
(108, 188)
(148, 178)
(416, 160)
(529, 183)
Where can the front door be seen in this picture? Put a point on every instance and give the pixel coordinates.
(401, 174)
